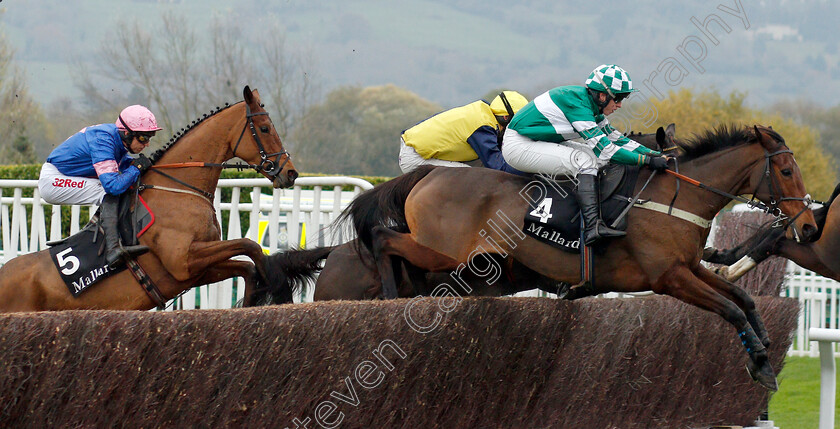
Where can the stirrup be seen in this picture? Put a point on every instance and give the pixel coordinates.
(600, 231)
(119, 256)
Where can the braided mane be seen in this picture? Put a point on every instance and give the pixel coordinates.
(177, 136)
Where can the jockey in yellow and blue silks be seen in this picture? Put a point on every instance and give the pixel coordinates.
(462, 135)
(93, 166)
(565, 133)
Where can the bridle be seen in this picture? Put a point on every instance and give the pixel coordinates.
(774, 209)
(775, 198)
(271, 167)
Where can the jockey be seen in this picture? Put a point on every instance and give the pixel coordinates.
(93, 167)
(564, 132)
(458, 136)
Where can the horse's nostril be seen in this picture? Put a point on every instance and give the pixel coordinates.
(293, 174)
(809, 231)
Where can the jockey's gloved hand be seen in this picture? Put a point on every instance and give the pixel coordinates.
(657, 163)
(142, 163)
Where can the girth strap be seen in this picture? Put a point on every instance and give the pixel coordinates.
(673, 211)
(148, 285)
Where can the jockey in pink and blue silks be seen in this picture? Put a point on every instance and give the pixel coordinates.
(93, 166)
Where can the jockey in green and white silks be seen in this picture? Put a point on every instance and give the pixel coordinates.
(565, 133)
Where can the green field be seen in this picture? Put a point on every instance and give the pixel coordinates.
(797, 403)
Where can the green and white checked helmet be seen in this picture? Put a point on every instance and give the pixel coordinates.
(611, 79)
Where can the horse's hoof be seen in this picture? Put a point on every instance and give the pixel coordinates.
(564, 290)
(763, 374)
(389, 293)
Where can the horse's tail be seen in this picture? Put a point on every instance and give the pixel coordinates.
(383, 205)
(287, 272)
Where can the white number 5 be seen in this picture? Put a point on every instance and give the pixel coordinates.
(72, 260)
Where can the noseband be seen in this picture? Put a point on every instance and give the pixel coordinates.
(270, 163)
(776, 197)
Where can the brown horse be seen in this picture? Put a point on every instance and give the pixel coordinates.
(346, 275)
(184, 240)
(819, 256)
(455, 216)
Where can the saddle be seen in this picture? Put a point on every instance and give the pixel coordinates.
(80, 258)
(555, 215)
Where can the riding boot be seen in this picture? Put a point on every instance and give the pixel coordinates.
(115, 254)
(590, 209)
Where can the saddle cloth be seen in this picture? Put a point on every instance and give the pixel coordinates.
(80, 259)
(555, 215)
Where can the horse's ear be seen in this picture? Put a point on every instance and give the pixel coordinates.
(247, 94)
(765, 141)
(671, 130)
(660, 137)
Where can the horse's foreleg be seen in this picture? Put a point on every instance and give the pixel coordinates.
(740, 297)
(388, 243)
(205, 254)
(229, 269)
(721, 256)
(682, 284)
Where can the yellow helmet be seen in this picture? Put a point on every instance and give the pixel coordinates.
(507, 103)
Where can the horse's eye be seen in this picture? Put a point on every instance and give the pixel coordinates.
(264, 129)
(786, 172)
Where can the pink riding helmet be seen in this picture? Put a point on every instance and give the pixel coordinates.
(137, 118)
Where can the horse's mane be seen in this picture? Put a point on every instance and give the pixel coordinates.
(833, 195)
(178, 134)
(719, 138)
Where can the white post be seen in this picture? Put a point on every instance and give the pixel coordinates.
(827, 373)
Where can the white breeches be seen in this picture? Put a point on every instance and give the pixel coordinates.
(410, 159)
(56, 188)
(561, 160)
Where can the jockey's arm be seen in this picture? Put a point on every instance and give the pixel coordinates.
(606, 150)
(114, 181)
(485, 143)
(624, 142)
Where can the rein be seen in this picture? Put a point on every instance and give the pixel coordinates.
(773, 209)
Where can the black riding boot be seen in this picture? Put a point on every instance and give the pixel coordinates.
(115, 253)
(590, 209)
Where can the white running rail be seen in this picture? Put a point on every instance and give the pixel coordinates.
(315, 208)
(828, 381)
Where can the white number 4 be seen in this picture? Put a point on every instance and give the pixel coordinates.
(72, 260)
(543, 211)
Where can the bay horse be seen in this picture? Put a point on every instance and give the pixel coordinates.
(348, 276)
(819, 255)
(349, 272)
(455, 216)
(185, 243)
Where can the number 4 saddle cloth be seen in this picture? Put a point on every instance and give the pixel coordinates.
(554, 217)
(80, 258)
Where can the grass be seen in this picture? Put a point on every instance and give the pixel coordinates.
(797, 403)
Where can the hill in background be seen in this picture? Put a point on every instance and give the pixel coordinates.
(449, 53)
